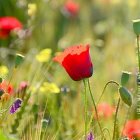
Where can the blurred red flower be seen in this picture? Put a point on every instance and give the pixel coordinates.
(76, 61)
(105, 110)
(7, 24)
(71, 7)
(132, 129)
(6, 87)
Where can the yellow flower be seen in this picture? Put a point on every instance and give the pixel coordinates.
(49, 88)
(3, 71)
(32, 9)
(44, 55)
(33, 89)
(132, 3)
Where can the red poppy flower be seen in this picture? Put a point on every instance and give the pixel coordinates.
(105, 110)
(8, 88)
(7, 24)
(76, 61)
(71, 8)
(132, 129)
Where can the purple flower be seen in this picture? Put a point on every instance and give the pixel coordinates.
(15, 106)
(90, 136)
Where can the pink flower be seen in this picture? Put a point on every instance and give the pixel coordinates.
(23, 85)
(7, 24)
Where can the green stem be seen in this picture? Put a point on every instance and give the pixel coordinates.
(110, 82)
(138, 52)
(85, 100)
(115, 120)
(138, 85)
(11, 77)
(96, 112)
(126, 118)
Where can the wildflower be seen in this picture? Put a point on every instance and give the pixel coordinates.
(105, 110)
(32, 9)
(22, 89)
(7, 24)
(77, 62)
(44, 55)
(71, 8)
(132, 129)
(6, 87)
(49, 88)
(3, 71)
(15, 106)
(23, 85)
(90, 136)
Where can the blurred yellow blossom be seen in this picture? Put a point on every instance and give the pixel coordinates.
(3, 71)
(132, 3)
(44, 55)
(32, 9)
(33, 89)
(49, 88)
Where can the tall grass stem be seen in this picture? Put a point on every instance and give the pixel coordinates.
(96, 112)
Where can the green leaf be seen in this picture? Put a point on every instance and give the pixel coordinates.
(125, 77)
(125, 96)
(136, 26)
(19, 60)
(0, 80)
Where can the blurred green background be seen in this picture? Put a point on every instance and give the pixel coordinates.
(104, 24)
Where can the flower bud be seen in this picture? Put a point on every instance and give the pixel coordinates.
(136, 26)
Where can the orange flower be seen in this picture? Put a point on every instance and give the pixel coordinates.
(76, 61)
(132, 129)
(7, 88)
(105, 110)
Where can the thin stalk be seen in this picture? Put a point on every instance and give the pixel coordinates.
(44, 76)
(110, 82)
(127, 114)
(115, 120)
(85, 100)
(11, 77)
(138, 52)
(96, 112)
(43, 118)
(138, 85)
